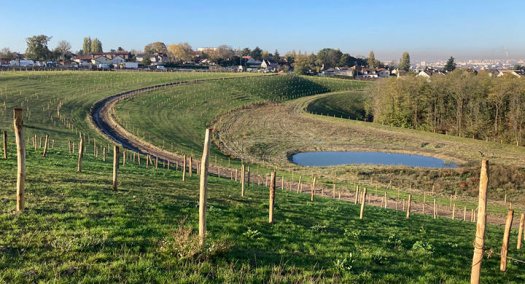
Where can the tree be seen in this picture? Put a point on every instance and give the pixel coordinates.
(6, 54)
(256, 53)
(276, 56)
(156, 47)
(146, 61)
(63, 49)
(180, 52)
(86, 45)
(303, 64)
(120, 49)
(450, 65)
(96, 46)
(37, 47)
(265, 54)
(404, 63)
(371, 60)
(246, 51)
(329, 57)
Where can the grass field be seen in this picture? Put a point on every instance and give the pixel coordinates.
(76, 229)
(181, 114)
(57, 103)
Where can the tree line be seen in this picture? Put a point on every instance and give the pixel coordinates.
(462, 103)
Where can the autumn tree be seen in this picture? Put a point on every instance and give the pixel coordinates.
(371, 60)
(96, 46)
(155, 47)
(86, 45)
(181, 52)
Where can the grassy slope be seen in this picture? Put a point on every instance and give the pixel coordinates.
(77, 229)
(182, 113)
(40, 94)
(345, 105)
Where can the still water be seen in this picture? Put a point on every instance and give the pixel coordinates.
(319, 159)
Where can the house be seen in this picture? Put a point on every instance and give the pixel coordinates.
(101, 59)
(252, 63)
(117, 60)
(424, 74)
(269, 65)
(383, 73)
(155, 58)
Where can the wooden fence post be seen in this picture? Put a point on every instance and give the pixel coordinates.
(21, 159)
(479, 241)
(203, 187)
(363, 201)
(312, 190)
(242, 180)
(5, 144)
(520, 230)
(46, 144)
(454, 211)
(409, 203)
(386, 201)
(116, 154)
(272, 197)
(505, 244)
(104, 153)
(435, 212)
(124, 156)
(190, 166)
(184, 168)
(80, 153)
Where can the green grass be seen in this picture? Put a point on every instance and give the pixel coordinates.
(76, 229)
(350, 105)
(181, 114)
(41, 94)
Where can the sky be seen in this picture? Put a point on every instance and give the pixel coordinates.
(427, 29)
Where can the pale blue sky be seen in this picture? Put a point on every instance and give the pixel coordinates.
(426, 28)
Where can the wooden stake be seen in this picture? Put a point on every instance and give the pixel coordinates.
(435, 212)
(479, 241)
(46, 144)
(184, 168)
(333, 190)
(242, 180)
(272, 197)
(363, 201)
(424, 201)
(190, 166)
(203, 187)
(409, 203)
(453, 210)
(520, 230)
(312, 191)
(116, 155)
(104, 154)
(5, 144)
(124, 156)
(505, 244)
(465, 213)
(386, 201)
(70, 148)
(21, 159)
(80, 153)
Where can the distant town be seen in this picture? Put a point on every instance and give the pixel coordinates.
(158, 56)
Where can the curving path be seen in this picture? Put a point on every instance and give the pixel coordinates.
(103, 119)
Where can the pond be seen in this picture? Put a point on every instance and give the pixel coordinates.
(320, 159)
